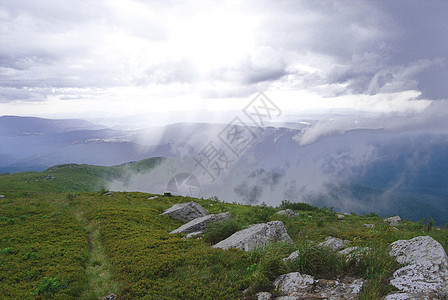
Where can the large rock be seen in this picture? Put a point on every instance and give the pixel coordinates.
(334, 244)
(393, 221)
(412, 296)
(426, 271)
(301, 286)
(200, 224)
(2, 197)
(186, 212)
(290, 283)
(258, 235)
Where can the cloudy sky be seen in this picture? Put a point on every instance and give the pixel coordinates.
(119, 57)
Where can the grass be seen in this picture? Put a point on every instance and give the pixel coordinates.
(44, 251)
(98, 270)
(72, 244)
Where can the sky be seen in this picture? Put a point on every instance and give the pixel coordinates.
(114, 58)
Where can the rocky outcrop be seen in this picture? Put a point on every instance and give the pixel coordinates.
(334, 244)
(186, 212)
(200, 224)
(258, 235)
(301, 286)
(426, 272)
(287, 212)
(393, 221)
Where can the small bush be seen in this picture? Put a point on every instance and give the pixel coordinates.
(372, 215)
(71, 197)
(50, 285)
(320, 221)
(103, 191)
(30, 255)
(8, 250)
(267, 264)
(298, 206)
(429, 225)
(262, 213)
(318, 261)
(219, 231)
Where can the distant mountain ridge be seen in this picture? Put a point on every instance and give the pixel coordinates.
(360, 170)
(33, 125)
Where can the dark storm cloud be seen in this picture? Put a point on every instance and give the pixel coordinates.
(420, 28)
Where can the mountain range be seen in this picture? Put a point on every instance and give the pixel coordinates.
(361, 170)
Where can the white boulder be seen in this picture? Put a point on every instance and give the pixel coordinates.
(393, 221)
(200, 224)
(334, 244)
(186, 212)
(426, 271)
(289, 283)
(258, 235)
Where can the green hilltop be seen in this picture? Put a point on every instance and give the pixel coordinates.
(64, 237)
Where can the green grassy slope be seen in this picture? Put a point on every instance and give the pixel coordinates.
(72, 177)
(58, 241)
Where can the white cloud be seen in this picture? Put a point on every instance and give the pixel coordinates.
(109, 51)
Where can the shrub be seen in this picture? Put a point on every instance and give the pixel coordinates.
(219, 231)
(30, 255)
(317, 261)
(8, 250)
(372, 215)
(50, 285)
(298, 206)
(429, 224)
(262, 213)
(103, 191)
(267, 264)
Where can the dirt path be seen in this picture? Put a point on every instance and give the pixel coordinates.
(98, 270)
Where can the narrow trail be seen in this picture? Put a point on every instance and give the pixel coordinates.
(98, 270)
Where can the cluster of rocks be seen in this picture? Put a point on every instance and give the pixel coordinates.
(425, 275)
(295, 286)
(196, 216)
(198, 219)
